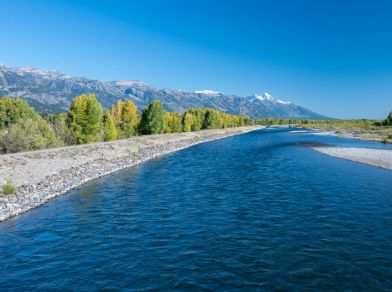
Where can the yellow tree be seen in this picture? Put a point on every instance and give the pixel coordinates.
(109, 129)
(188, 121)
(129, 118)
(125, 118)
(116, 113)
(85, 118)
(167, 123)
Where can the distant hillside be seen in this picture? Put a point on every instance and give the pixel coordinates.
(53, 91)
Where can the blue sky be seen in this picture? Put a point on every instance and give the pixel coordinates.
(334, 57)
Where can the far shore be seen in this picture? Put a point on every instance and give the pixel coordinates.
(376, 157)
(45, 174)
(366, 135)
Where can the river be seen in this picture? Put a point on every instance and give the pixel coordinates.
(255, 211)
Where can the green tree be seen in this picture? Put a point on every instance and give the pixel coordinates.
(60, 127)
(22, 128)
(212, 120)
(152, 119)
(85, 119)
(198, 117)
(110, 132)
(14, 110)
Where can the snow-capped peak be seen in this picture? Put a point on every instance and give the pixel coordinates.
(207, 92)
(283, 102)
(43, 73)
(268, 97)
(265, 96)
(131, 83)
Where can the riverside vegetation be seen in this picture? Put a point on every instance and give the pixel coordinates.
(24, 129)
(8, 188)
(380, 130)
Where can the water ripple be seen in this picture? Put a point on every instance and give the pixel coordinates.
(255, 212)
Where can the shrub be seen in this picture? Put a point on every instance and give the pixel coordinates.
(22, 128)
(8, 188)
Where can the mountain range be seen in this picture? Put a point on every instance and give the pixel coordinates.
(52, 91)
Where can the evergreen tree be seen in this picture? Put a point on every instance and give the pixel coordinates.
(85, 119)
(152, 119)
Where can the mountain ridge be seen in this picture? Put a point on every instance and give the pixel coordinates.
(52, 91)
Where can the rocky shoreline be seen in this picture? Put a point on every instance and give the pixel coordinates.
(35, 193)
(375, 157)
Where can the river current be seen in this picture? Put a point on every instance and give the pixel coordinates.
(258, 211)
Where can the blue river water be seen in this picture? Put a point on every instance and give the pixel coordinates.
(259, 211)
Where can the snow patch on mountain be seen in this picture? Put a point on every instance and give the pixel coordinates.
(283, 102)
(207, 92)
(131, 83)
(268, 97)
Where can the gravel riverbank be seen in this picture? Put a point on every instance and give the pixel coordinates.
(42, 175)
(375, 157)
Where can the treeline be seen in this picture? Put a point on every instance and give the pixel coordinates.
(23, 129)
(304, 122)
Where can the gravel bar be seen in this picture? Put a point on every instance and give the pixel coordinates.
(375, 157)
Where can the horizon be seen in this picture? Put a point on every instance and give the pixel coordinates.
(340, 68)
